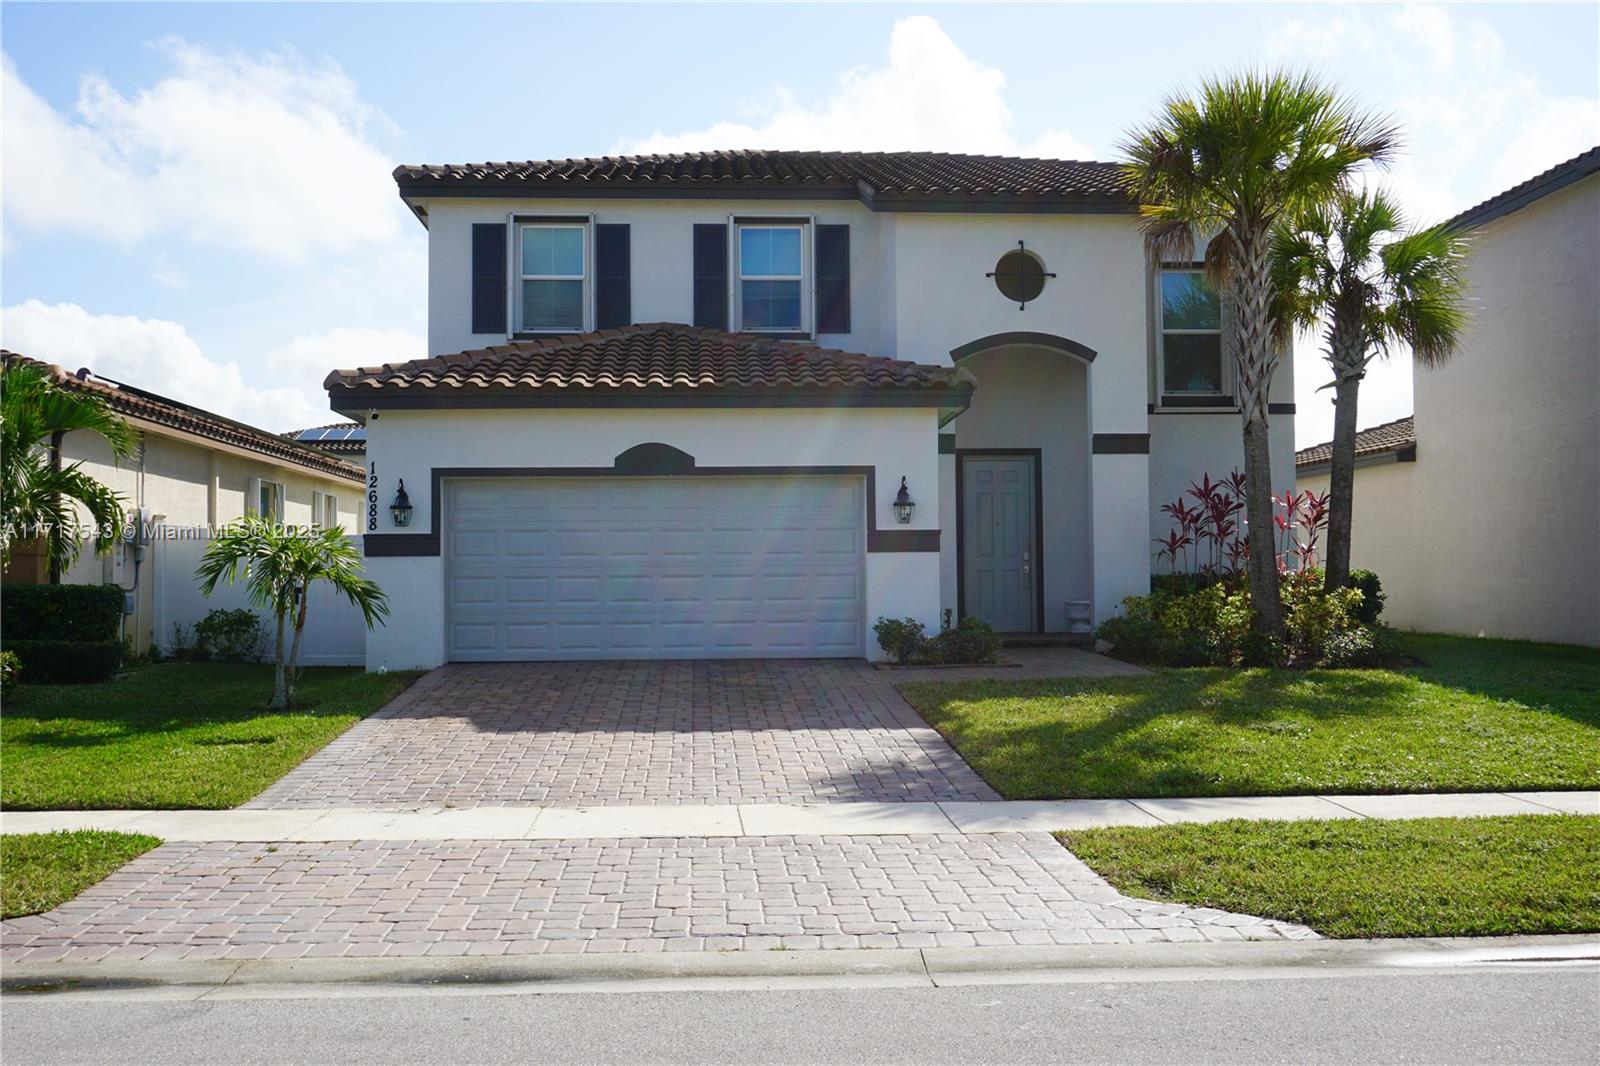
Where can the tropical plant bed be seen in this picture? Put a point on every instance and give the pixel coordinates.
(169, 735)
(1429, 877)
(1483, 715)
(38, 871)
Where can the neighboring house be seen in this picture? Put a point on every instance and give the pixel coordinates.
(827, 325)
(347, 440)
(1480, 513)
(193, 471)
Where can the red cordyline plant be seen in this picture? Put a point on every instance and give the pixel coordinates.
(1209, 537)
(1301, 518)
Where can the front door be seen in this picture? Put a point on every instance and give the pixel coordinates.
(999, 561)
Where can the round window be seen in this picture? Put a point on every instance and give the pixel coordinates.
(1019, 276)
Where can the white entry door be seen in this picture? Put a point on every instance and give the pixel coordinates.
(654, 568)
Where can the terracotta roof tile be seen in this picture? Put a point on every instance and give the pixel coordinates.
(654, 358)
(867, 175)
(137, 403)
(1389, 437)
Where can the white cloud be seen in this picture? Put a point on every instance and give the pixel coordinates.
(159, 355)
(310, 358)
(268, 154)
(929, 95)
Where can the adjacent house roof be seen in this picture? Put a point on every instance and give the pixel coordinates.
(661, 364)
(883, 180)
(1540, 185)
(1398, 437)
(148, 407)
(340, 438)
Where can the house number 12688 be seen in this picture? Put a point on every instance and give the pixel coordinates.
(372, 497)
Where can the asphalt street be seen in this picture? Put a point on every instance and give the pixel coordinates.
(1521, 1015)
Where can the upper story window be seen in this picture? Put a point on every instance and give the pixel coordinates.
(772, 290)
(1191, 334)
(552, 260)
(325, 510)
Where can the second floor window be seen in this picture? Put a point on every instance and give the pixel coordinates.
(771, 278)
(552, 264)
(1191, 334)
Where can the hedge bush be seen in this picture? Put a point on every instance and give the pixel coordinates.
(1372, 596)
(67, 662)
(230, 636)
(969, 643)
(1211, 627)
(10, 668)
(60, 612)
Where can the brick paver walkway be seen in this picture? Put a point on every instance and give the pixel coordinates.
(243, 901)
(582, 734)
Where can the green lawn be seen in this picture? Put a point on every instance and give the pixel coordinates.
(1481, 715)
(172, 735)
(40, 870)
(1431, 877)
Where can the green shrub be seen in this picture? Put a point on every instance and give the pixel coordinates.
(67, 662)
(1211, 626)
(1183, 582)
(973, 641)
(1372, 597)
(906, 642)
(10, 667)
(230, 636)
(60, 612)
(901, 638)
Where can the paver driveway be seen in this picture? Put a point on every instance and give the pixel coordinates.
(480, 897)
(581, 734)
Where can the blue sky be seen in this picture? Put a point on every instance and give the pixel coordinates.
(197, 198)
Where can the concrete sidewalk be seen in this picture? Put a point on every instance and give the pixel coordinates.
(762, 819)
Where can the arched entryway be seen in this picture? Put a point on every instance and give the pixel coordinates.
(1017, 483)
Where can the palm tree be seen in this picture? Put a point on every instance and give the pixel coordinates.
(278, 566)
(1250, 150)
(38, 496)
(1351, 267)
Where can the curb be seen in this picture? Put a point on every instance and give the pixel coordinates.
(756, 971)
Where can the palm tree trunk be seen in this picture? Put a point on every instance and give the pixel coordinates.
(280, 686)
(294, 649)
(1342, 470)
(1263, 562)
(1256, 360)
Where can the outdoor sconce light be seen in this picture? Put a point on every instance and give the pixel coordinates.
(903, 504)
(400, 509)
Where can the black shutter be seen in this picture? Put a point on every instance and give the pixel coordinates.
(833, 279)
(711, 275)
(489, 277)
(613, 276)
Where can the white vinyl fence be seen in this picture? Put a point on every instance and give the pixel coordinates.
(335, 634)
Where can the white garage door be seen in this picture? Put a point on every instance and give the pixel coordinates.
(653, 568)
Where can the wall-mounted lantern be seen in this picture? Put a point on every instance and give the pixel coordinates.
(903, 504)
(400, 509)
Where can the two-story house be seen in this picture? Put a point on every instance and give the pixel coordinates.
(673, 401)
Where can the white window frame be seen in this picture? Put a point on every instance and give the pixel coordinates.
(253, 504)
(585, 300)
(322, 504)
(1224, 375)
(806, 278)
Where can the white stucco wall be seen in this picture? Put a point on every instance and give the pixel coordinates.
(173, 477)
(1493, 534)
(1387, 535)
(919, 290)
(409, 444)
